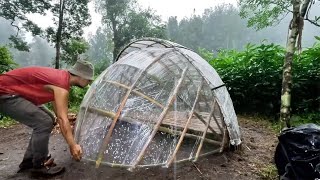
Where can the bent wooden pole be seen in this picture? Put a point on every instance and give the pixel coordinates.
(137, 93)
(107, 138)
(185, 128)
(192, 136)
(160, 119)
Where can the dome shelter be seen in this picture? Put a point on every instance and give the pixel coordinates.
(159, 104)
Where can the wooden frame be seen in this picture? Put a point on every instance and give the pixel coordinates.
(185, 128)
(162, 115)
(220, 131)
(163, 129)
(116, 117)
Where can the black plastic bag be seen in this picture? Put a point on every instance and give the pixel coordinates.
(297, 155)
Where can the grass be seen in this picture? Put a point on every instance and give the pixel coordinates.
(6, 122)
(269, 172)
(299, 119)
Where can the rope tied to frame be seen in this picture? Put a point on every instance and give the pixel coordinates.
(215, 88)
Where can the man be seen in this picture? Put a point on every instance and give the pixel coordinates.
(24, 90)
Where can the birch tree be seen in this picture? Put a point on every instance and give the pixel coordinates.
(264, 13)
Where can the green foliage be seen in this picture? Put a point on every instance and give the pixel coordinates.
(75, 98)
(306, 80)
(16, 10)
(100, 67)
(6, 61)
(263, 13)
(269, 172)
(127, 22)
(305, 118)
(254, 78)
(6, 122)
(100, 52)
(141, 24)
(75, 16)
(73, 49)
(213, 30)
(205, 54)
(19, 43)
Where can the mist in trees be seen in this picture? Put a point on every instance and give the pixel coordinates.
(40, 51)
(101, 48)
(217, 28)
(69, 19)
(221, 27)
(126, 20)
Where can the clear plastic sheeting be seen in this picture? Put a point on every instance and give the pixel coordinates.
(159, 104)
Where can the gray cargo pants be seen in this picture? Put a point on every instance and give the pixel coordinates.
(37, 118)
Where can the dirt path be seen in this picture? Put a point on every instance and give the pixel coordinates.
(256, 154)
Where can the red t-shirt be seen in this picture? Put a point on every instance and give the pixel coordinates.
(29, 83)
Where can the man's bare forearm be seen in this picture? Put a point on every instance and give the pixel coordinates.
(66, 131)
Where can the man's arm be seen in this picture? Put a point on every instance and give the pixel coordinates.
(54, 108)
(61, 109)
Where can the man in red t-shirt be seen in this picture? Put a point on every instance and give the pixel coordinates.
(24, 90)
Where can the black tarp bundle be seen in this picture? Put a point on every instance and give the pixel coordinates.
(298, 153)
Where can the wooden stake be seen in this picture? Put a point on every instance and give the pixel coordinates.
(224, 139)
(192, 136)
(201, 155)
(205, 132)
(204, 122)
(107, 138)
(185, 128)
(215, 119)
(161, 117)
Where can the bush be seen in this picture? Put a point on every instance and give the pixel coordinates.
(306, 81)
(6, 122)
(6, 61)
(75, 98)
(254, 78)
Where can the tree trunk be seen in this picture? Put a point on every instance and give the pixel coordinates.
(116, 47)
(296, 29)
(115, 38)
(58, 35)
(285, 111)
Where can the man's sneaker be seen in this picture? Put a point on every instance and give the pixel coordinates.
(47, 171)
(27, 164)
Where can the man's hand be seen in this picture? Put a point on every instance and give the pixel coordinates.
(76, 152)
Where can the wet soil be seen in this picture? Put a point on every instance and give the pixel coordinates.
(256, 154)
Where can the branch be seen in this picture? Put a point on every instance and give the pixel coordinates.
(305, 8)
(308, 10)
(282, 5)
(312, 22)
(16, 27)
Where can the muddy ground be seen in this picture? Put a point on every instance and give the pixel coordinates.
(248, 163)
